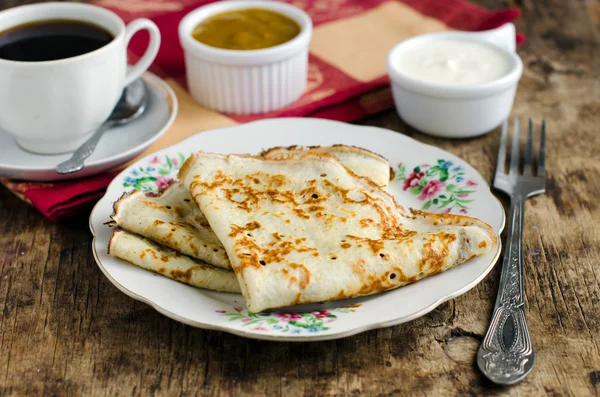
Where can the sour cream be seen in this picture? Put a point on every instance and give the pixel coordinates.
(453, 62)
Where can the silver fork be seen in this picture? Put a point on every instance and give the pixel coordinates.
(506, 354)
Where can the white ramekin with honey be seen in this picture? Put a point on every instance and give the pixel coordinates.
(246, 57)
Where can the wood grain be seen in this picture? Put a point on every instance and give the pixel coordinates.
(65, 330)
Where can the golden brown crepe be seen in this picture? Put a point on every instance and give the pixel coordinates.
(175, 221)
(358, 160)
(148, 255)
(309, 230)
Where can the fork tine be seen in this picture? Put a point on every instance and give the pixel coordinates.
(502, 149)
(541, 168)
(527, 166)
(514, 154)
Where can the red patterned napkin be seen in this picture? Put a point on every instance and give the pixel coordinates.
(347, 76)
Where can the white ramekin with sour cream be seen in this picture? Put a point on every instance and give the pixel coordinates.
(456, 110)
(245, 82)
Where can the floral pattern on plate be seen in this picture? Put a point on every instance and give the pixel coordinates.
(197, 307)
(156, 176)
(442, 186)
(287, 322)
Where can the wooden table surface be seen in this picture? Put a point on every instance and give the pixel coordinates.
(66, 330)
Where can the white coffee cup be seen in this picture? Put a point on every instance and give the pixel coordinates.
(54, 106)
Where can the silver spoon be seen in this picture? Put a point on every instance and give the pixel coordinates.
(131, 105)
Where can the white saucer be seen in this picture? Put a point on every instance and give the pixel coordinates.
(118, 145)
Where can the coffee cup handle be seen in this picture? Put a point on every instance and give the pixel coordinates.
(146, 60)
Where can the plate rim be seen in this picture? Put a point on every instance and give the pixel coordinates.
(290, 337)
(168, 94)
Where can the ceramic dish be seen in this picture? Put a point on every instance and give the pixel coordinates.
(118, 145)
(457, 111)
(448, 184)
(246, 82)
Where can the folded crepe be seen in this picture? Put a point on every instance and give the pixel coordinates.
(310, 230)
(175, 221)
(148, 255)
(358, 160)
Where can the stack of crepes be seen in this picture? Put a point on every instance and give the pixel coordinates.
(290, 226)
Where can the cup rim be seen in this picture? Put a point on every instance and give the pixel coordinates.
(58, 5)
(244, 57)
(448, 90)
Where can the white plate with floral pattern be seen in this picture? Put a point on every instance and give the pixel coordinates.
(427, 178)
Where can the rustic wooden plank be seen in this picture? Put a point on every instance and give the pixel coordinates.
(65, 330)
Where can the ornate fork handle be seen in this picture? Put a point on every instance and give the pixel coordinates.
(506, 354)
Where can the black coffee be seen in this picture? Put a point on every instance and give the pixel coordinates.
(51, 40)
